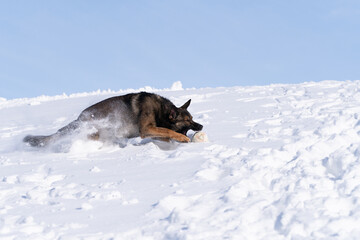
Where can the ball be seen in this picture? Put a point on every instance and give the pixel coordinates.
(199, 137)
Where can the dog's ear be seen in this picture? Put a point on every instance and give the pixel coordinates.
(186, 105)
(173, 114)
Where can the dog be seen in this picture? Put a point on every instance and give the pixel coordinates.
(132, 115)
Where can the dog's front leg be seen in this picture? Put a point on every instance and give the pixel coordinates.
(159, 132)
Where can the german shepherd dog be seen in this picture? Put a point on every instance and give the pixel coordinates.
(136, 114)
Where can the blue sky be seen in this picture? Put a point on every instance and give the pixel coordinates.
(55, 47)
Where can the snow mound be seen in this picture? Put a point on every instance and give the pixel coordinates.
(176, 86)
(283, 163)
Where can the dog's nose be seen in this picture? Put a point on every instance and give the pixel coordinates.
(198, 127)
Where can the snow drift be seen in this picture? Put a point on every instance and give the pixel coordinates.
(283, 162)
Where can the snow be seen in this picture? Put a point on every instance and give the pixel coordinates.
(283, 162)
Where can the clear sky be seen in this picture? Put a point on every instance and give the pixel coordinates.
(69, 46)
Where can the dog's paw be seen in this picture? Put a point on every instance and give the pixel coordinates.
(183, 138)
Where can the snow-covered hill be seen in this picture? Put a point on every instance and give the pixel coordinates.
(283, 162)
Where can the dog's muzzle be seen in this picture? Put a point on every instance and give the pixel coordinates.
(197, 126)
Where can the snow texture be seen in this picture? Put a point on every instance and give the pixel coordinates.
(283, 162)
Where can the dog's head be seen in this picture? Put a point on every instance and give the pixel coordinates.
(182, 121)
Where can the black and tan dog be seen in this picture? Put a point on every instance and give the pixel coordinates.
(137, 114)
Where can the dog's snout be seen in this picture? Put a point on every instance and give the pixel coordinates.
(197, 126)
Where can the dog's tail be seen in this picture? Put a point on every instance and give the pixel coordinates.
(37, 141)
(43, 141)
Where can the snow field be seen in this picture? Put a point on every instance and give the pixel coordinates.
(283, 162)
